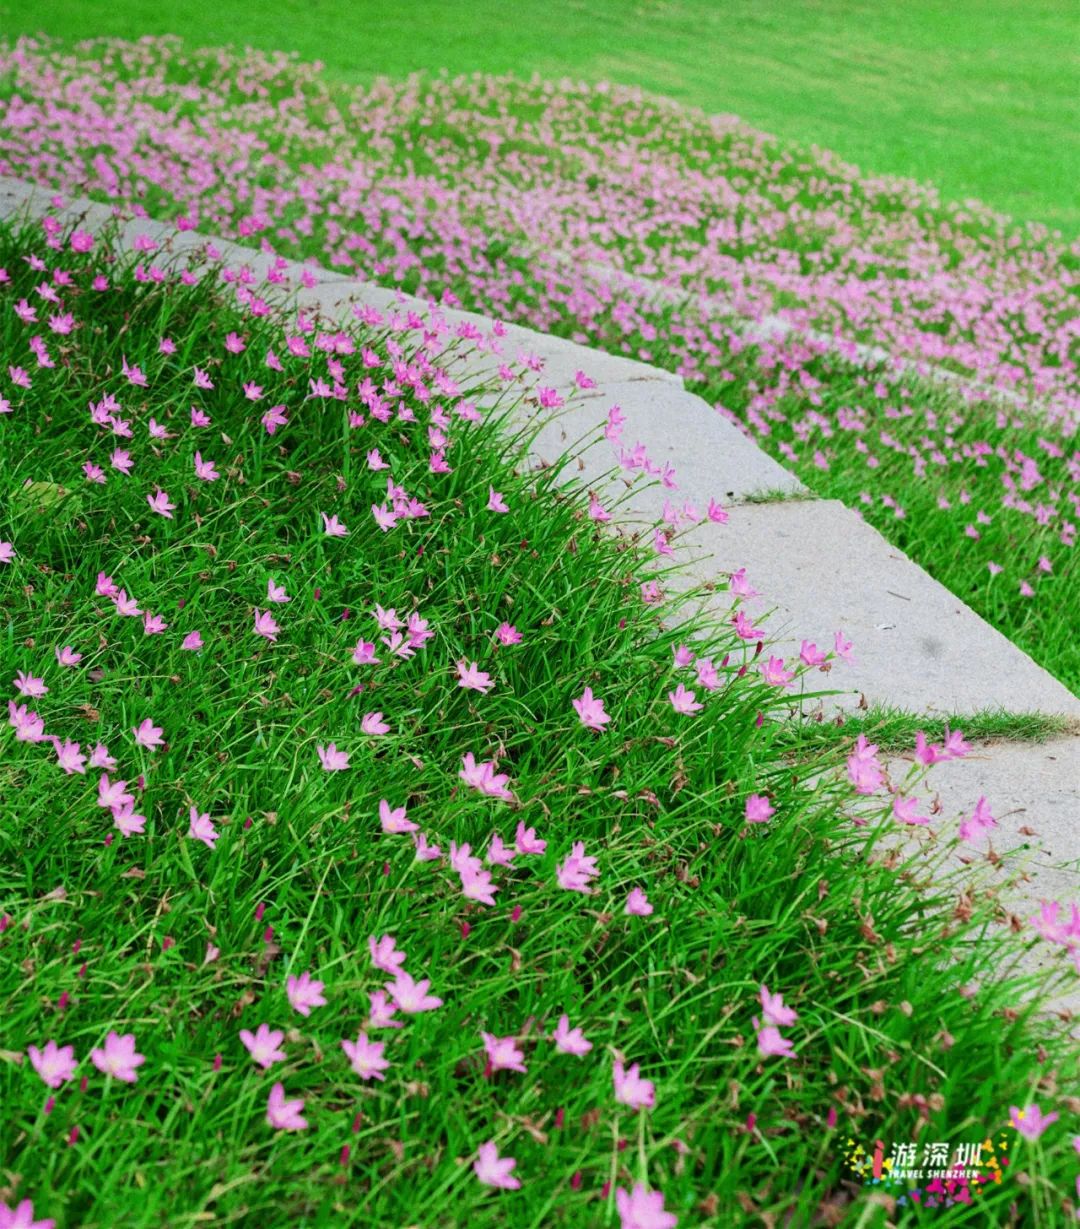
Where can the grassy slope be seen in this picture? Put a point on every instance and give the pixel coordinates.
(851, 943)
(979, 96)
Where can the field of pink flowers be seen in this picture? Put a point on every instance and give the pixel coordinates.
(381, 843)
(917, 361)
(468, 912)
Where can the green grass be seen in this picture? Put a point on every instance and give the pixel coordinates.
(978, 96)
(894, 730)
(899, 992)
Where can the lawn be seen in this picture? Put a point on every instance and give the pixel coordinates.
(348, 756)
(981, 97)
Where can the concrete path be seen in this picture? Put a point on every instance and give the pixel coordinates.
(818, 566)
(1033, 855)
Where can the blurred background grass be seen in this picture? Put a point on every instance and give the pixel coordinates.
(981, 97)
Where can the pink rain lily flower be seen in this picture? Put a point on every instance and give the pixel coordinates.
(22, 1217)
(637, 903)
(385, 954)
(503, 1053)
(774, 1011)
(55, 1064)
(159, 503)
(265, 625)
(331, 758)
(770, 1044)
(642, 1209)
(493, 1170)
(372, 723)
(118, 1057)
(570, 1040)
(576, 872)
(264, 1045)
(1031, 1122)
(684, 701)
(393, 819)
(304, 993)
(148, 735)
(412, 996)
(473, 678)
(590, 710)
(201, 828)
(759, 809)
(366, 1057)
(284, 1115)
(332, 527)
(495, 502)
(631, 1088)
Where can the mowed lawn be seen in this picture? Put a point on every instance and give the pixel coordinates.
(981, 97)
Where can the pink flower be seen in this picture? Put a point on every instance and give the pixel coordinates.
(483, 777)
(684, 701)
(477, 884)
(332, 527)
(366, 1057)
(631, 1089)
(22, 1217)
(843, 647)
(499, 854)
(412, 996)
(372, 723)
(906, 810)
(265, 625)
(113, 794)
(770, 1044)
(385, 954)
(67, 656)
(274, 418)
(160, 504)
(758, 809)
(118, 1057)
(637, 903)
(264, 1045)
(495, 502)
(304, 993)
(148, 735)
(575, 873)
(331, 758)
(570, 1040)
(393, 819)
(284, 1115)
(55, 1064)
(201, 828)
(774, 1011)
(981, 821)
(364, 653)
(494, 1170)
(507, 633)
(7, 553)
(526, 841)
(275, 593)
(642, 1209)
(503, 1053)
(205, 469)
(954, 744)
(810, 654)
(590, 711)
(192, 642)
(774, 674)
(470, 676)
(1031, 1122)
